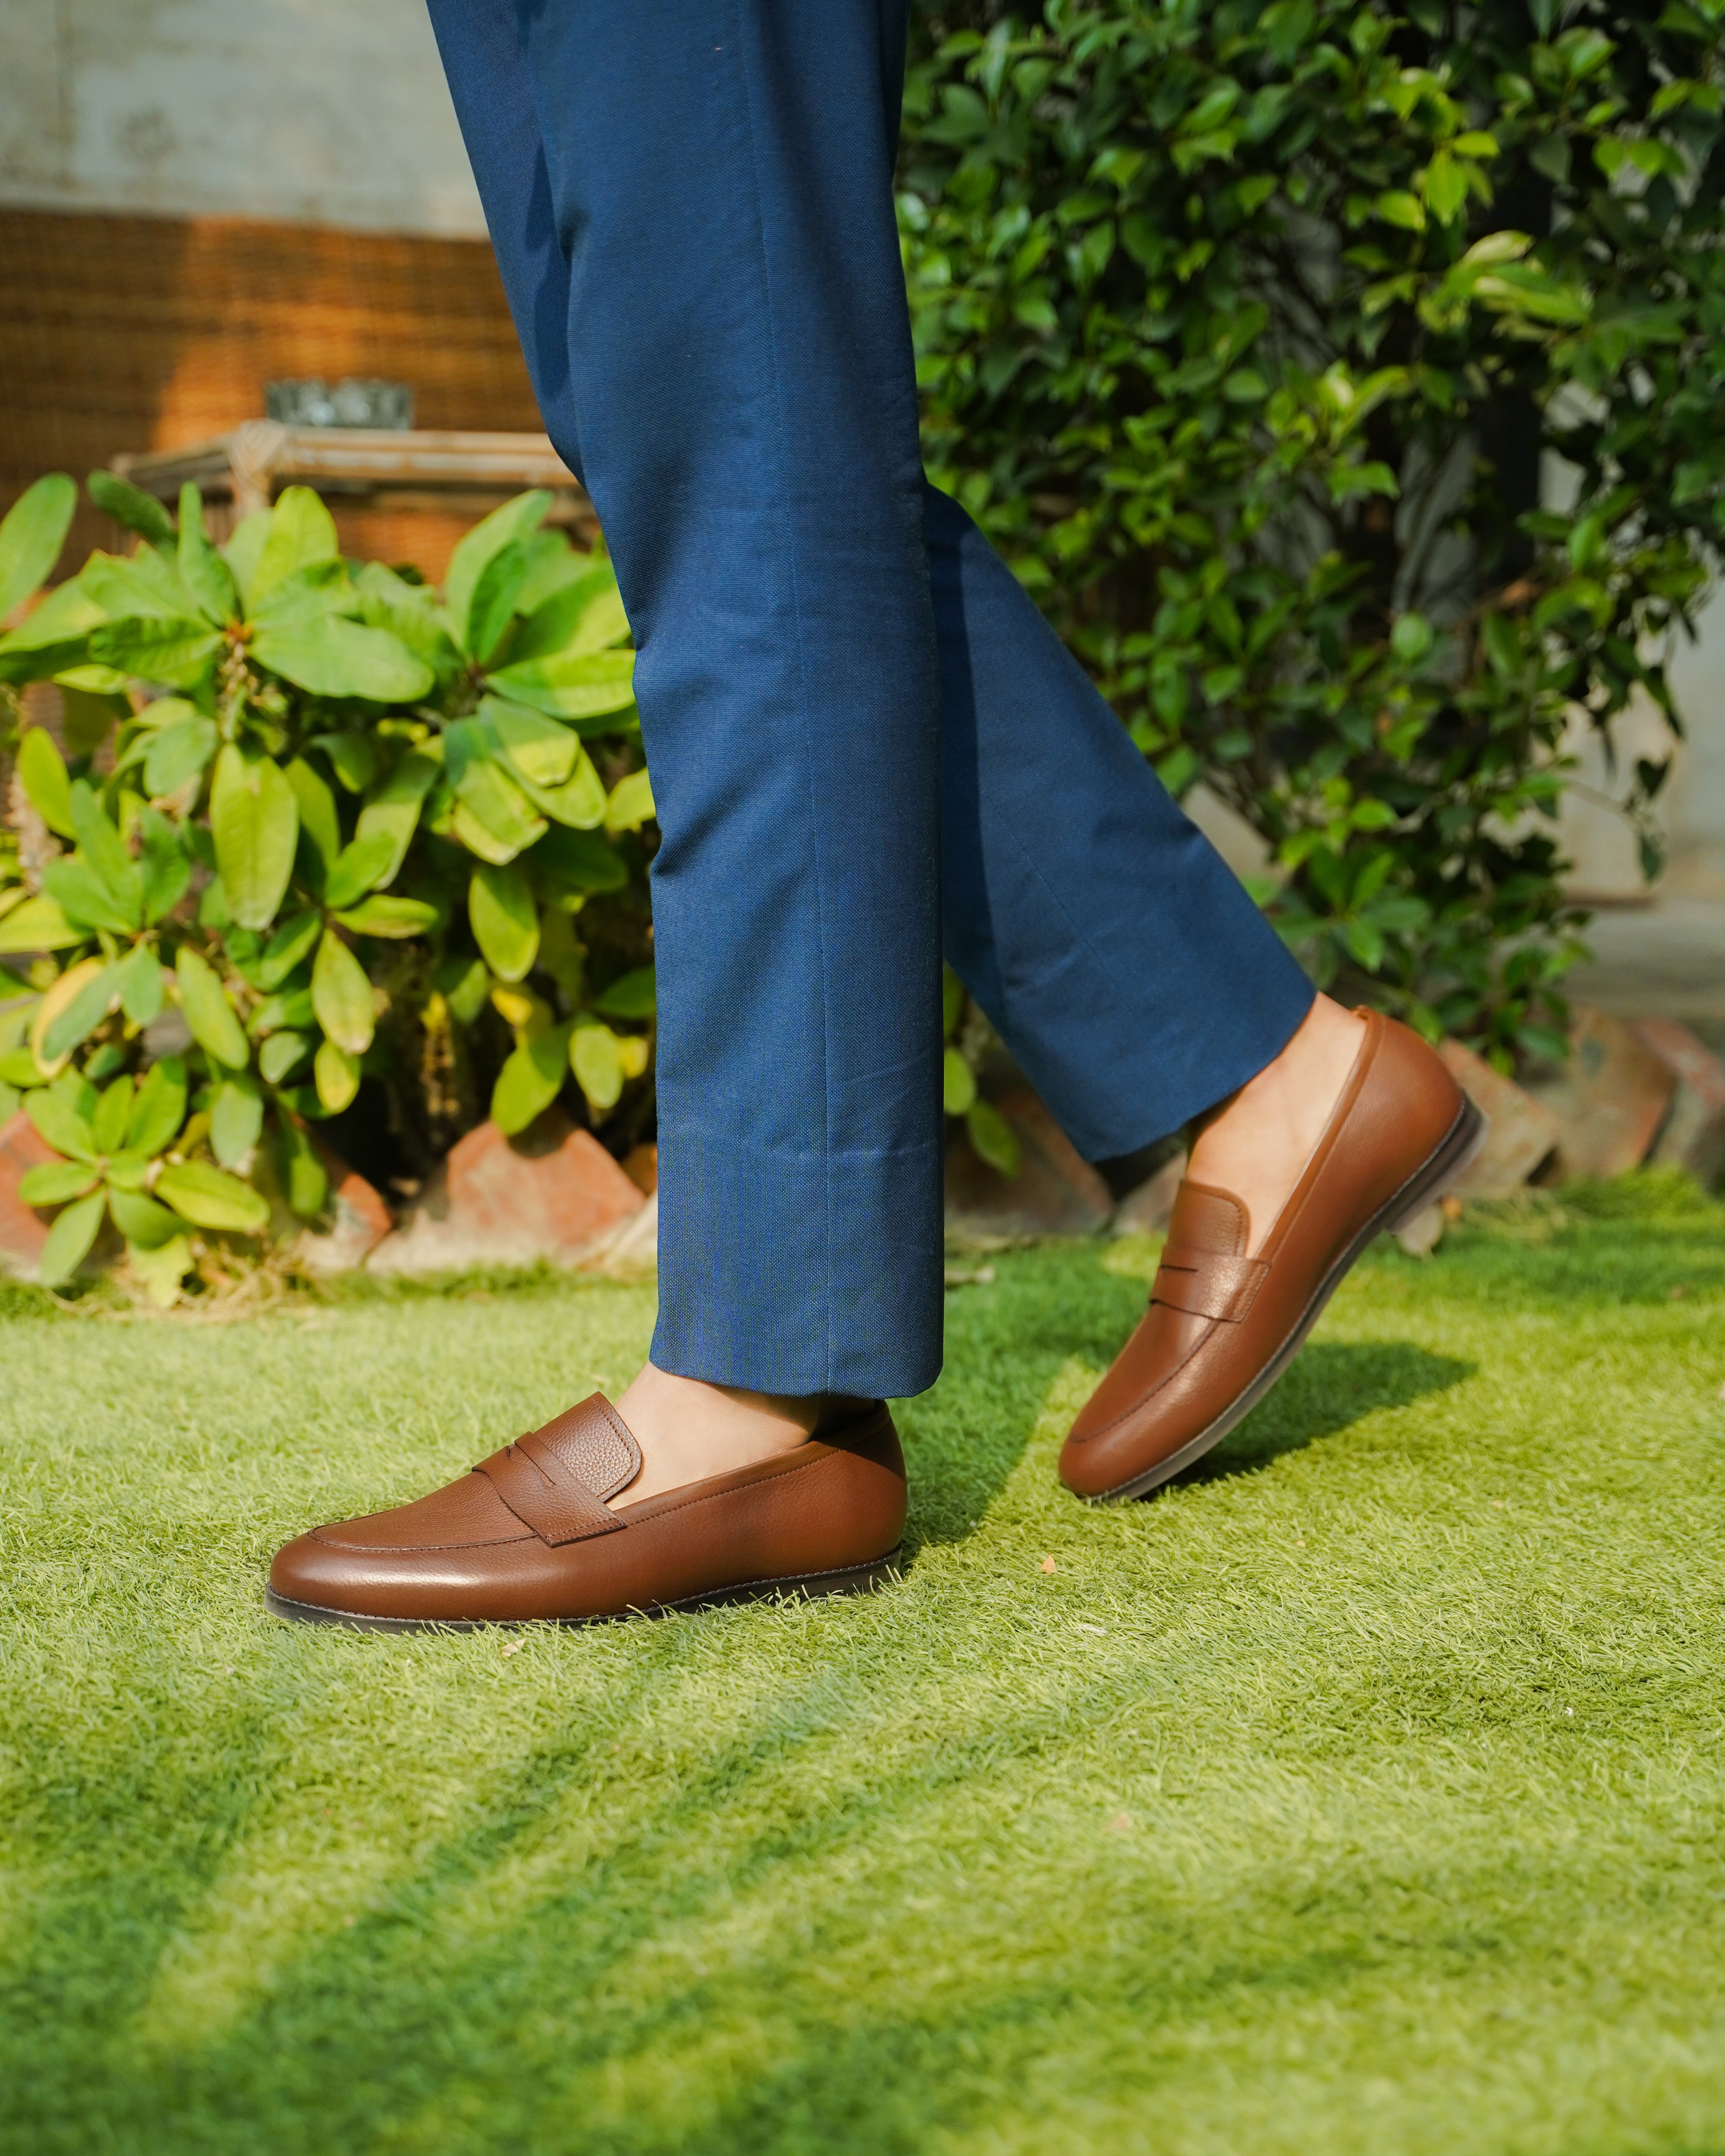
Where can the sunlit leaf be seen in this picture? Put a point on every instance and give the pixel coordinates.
(506, 922)
(341, 995)
(204, 1005)
(210, 1197)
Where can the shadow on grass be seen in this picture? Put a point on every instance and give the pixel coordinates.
(1331, 1385)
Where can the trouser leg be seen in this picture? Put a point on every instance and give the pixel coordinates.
(691, 203)
(1134, 981)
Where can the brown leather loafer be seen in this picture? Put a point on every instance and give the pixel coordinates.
(527, 1536)
(1222, 1328)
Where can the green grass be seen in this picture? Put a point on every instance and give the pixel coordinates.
(1364, 1792)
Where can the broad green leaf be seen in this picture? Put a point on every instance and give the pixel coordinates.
(52, 637)
(336, 1075)
(167, 867)
(130, 507)
(552, 562)
(315, 799)
(957, 1085)
(993, 1138)
(57, 1182)
(581, 684)
(341, 995)
(209, 1198)
(112, 1119)
(59, 1121)
(583, 617)
(39, 924)
(579, 802)
(465, 984)
(81, 896)
(127, 1170)
(595, 1057)
(530, 1079)
(32, 534)
(495, 801)
(254, 821)
(312, 594)
(159, 1107)
(43, 776)
(583, 860)
(142, 1220)
(80, 1015)
(282, 1054)
(339, 658)
(516, 520)
(179, 752)
(358, 866)
(293, 1009)
(392, 810)
(137, 978)
(385, 914)
(353, 759)
(72, 986)
(305, 1180)
(144, 586)
(236, 1116)
(160, 1268)
(539, 748)
(631, 803)
(69, 1240)
(244, 549)
(300, 531)
(291, 944)
(208, 1012)
(99, 845)
(506, 923)
(491, 607)
(631, 995)
(177, 653)
(202, 570)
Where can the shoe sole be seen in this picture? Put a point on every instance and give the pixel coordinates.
(1441, 1168)
(805, 1587)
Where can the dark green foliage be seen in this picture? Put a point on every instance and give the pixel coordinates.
(1245, 329)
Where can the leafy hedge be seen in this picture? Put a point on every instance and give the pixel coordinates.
(1243, 328)
(320, 824)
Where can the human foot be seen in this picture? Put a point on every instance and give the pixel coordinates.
(1228, 1313)
(1257, 1142)
(688, 1430)
(528, 1536)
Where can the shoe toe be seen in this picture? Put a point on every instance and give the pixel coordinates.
(364, 1566)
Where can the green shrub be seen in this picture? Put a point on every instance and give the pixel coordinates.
(349, 829)
(1243, 329)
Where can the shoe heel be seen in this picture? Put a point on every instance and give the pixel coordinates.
(1444, 1169)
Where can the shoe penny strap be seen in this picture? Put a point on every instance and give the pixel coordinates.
(556, 1478)
(1206, 1284)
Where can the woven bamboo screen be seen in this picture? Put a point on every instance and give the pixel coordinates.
(139, 333)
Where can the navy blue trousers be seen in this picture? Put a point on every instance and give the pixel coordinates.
(866, 744)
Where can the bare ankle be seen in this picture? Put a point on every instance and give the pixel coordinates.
(689, 1430)
(1256, 1143)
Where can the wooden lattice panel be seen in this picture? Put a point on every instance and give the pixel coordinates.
(137, 333)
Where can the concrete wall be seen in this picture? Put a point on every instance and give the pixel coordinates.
(334, 111)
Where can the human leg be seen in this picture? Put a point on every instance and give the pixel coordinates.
(722, 291)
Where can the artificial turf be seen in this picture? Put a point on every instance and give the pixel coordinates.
(1362, 1792)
